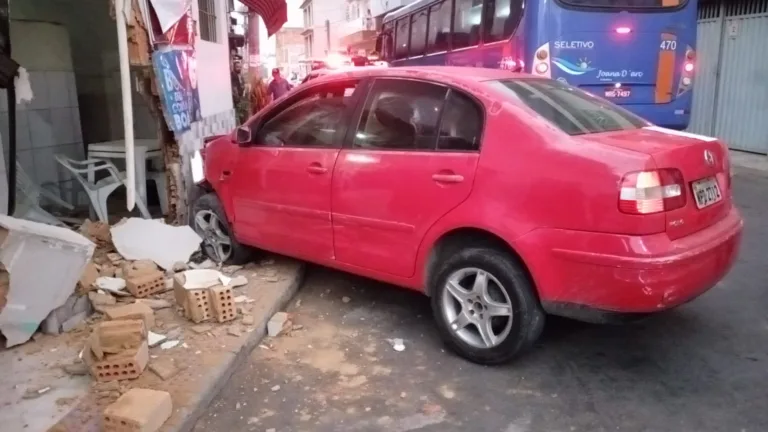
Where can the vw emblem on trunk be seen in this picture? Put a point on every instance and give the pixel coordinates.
(709, 158)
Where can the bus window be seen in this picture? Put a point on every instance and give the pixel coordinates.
(418, 33)
(439, 27)
(503, 16)
(624, 4)
(387, 49)
(466, 23)
(401, 39)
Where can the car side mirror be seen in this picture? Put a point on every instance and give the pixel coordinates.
(244, 136)
(378, 43)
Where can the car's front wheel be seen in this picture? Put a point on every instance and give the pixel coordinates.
(485, 306)
(210, 222)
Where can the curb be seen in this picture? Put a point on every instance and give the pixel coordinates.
(218, 378)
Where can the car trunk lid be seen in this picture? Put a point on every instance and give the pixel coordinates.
(705, 166)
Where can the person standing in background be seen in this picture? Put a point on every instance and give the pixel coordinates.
(258, 94)
(279, 85)
(238, 87)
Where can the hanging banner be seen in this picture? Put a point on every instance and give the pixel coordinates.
(176, 72)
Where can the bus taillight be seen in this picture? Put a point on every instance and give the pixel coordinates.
(623, 30)
(541, 61)
(689, 65)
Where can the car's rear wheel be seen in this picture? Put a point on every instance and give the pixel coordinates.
(210, 222)
(485, 306)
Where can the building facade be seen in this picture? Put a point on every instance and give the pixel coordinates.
(289, 49)
(358, 32)
(70, 49)
(323, 26)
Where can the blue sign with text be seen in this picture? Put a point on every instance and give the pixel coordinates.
(176, 72)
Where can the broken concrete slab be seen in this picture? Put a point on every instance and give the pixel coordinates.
(32, 293)
(277, 324)
(101, 299)
(75, 306)
(164, 367)
(138, 239)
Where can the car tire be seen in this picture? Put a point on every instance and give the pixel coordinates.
(207, 209)
(507, 284)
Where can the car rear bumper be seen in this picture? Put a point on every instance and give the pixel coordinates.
(629, 274)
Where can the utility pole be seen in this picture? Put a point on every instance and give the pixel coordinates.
(328, 36)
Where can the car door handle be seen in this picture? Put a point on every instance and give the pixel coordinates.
(448, 178)
(225, 174)
(316, 168)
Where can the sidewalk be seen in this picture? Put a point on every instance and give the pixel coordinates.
(750, 161)
(42, 392)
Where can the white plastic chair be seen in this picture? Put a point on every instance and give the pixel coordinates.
(28, 195)
(159, 178)
(101, 190)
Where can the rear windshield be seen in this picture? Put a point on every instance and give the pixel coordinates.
(624, 4)
(574, 111)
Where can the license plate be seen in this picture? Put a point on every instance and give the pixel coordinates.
(617, 93)
(706, 192)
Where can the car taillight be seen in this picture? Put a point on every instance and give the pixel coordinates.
(648, 192)
(688, 67)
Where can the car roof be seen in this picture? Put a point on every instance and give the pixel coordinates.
(447, 74)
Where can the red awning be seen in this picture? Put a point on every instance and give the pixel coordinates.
(273, 12)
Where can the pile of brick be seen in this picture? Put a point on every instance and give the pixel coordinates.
(216, 302)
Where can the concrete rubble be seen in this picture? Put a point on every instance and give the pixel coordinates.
(119, 300)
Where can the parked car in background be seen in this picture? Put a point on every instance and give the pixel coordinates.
(502, 196)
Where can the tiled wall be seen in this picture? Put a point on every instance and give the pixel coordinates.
(50, 123)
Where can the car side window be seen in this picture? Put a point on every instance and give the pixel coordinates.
(312, 120)
(461, 124)
(401, 114)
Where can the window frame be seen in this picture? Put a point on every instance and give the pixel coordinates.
(414, 16)
(442, 4)
(362, 103)
(453, 27)
(208, 20)
(478, 105)
(484, 20)
(395, 55)
(255, 124)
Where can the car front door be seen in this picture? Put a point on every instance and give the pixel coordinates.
(281, 185)
(410, 161)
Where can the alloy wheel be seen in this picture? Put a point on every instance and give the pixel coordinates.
(216, 240)
(477, 308)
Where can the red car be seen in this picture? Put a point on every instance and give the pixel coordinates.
(501, 196)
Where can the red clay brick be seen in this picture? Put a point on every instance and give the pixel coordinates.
(145, 283)
(132, 311)
(223, 303)
(116, 336)
(127, 364)
(138, 410)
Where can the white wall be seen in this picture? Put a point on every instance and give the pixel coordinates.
(214, 84)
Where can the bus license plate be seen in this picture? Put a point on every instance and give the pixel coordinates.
(706, 192)
(617, 93)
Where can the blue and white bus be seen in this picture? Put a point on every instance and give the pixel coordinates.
(638, 53)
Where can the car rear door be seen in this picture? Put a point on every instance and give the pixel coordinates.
(281, 186)
(410, 161)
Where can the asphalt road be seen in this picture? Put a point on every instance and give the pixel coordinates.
(700, 368)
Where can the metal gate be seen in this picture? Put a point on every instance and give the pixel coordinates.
(730, 97)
